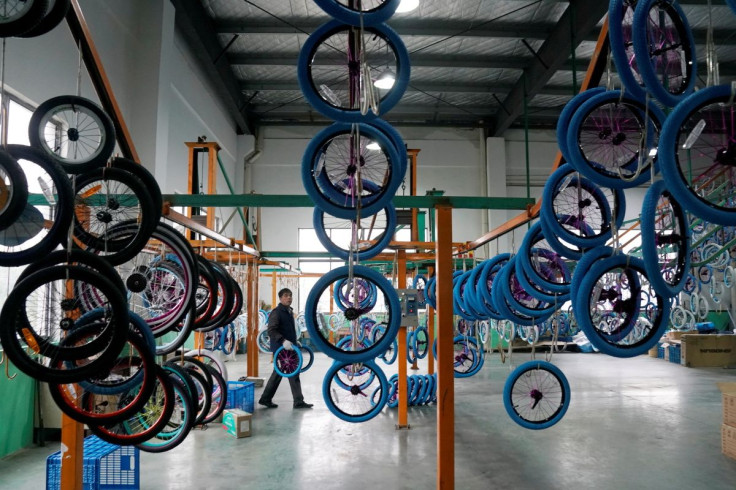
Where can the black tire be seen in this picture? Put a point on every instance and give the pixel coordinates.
(157, 412)
(20, 19)
(219, 395)
(75, 257)
(237, 308)
(14, 190)
(202, 395)
(99, 353)
(105, 197)
(13, 251)
(96, 139)
(178, 425)
(206, 295)
(54, 15)
(125, 403)
(147, 177)
(225, 299)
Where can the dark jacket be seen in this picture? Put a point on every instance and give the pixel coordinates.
(281, 326)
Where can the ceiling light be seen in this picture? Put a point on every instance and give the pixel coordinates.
(407, 5)
(386, 80)
(373, 146)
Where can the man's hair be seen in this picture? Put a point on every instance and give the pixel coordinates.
(285, 291)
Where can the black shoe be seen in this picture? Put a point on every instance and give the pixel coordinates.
(267, 404)
(303, 405)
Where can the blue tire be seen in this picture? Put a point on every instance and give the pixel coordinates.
(333, 201)
(563, 122)
(669, 143)
(308, 355)
(375, 349)
(367, 17)
(369, 409)
(287, 374)
(611, 346)
(641, 49)
(517, 398)
(617, 13)
(527, 250)
(649, 237)
(491, 266)
(318, 220)
(311, 92)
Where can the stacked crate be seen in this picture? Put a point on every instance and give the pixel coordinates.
(728, 428)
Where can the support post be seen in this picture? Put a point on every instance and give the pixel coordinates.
(402, 391)
(445, 374)
(72, 453)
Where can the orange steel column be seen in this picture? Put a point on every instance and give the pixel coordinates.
(445, 374)
(402, 391)
(256, 280)
(72, 453)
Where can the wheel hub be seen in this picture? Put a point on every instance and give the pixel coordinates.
(355, 390)
(66, 324)
(104, 217)
(727, 156)
(68, 304)
(605, 133)
(72, 134)
(619, 139)
(113, 204)
(537, 396)
(136, 282)
(352, 313)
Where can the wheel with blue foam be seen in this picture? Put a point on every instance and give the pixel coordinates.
(563, 122)
(367, 13)
(697, 152)
(732, 4)
(287, 362)
(612, 139)
(387, 301)
(486, 280)
(665, 50)
(349, 391)
(329, 70)
(578, 211)
(620, 23)
(541, 264)
(373, 233)
(536, 395)
(520, 299)
(612, 295)
(341, 174)
(308, 357)
(665, 240)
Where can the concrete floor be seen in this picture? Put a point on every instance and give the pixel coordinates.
(638, 423)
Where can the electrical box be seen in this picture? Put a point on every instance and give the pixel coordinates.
(410, 304)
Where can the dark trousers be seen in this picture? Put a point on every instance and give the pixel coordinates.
(273, 384)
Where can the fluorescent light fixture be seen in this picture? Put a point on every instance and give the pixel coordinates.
(407, 5)
(386, 80)
(373, 146)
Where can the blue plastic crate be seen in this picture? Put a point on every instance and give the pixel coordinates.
(660, 351)
(106, 466)
(240, 395)
(675, 353)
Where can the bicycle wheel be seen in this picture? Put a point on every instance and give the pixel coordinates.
(388, 302)
(358, 294)
(104, 198)
(515, 304)
(465, 356)
(237, 307)
(698, 151)
(579, 212)
(620, 24)
(536, 395)
(73, 131)
(341, 174)
(108, 397)
(209, 358)
(19, 16)
(330, 72)
(611, 297)
(563, 122)
(665, 241)
(360, 401)
(225, 298)
(539, 264)
(366, 13)
(612, 139)
(197, 388)
(366, 238)
(665, 50)
(227, 341)
(180, 422)
(148, 421)
(421, 342)
(52, 18)
(39, 311)
(264, 343)
(307, 356)
(206, 295)
(287, 363)
(13, 190)
(147, 177)
(40, 227)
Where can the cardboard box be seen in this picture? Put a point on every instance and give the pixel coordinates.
(729, 403)
(728, 440)
(677, 334)
(237, 422)
(708, 350)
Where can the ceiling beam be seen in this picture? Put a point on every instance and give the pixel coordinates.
(583, 15)
(459, 88)
(437, 28)
(194, 22)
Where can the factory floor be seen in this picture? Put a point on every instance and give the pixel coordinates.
(640, 423)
